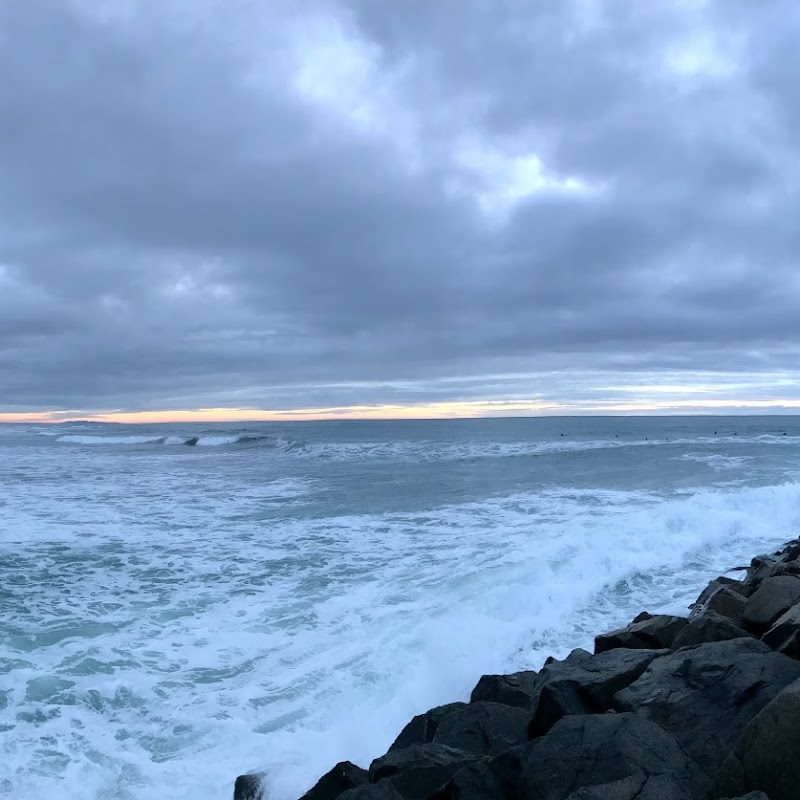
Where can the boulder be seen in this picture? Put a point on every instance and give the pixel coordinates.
(483, 728)
(727, 603)
(759, 569)
(773, 598)
(578, 654)
(722, 581)
(494, 779)
(790, 551)
(706, 695)
(517, 689)
(423, 727)
(765, 755)
(749, 796)
(784, 635)
(763, 567)
(343, 777)
(609, 757)
(250, 787)
(586, 686)
(655, 633)
(707, 627)
(372, 791)
(419, 770)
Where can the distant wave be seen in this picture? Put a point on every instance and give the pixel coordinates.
(190, 441)
(427, 450)
(80, 439)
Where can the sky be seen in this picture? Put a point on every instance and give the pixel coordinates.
(240, 209)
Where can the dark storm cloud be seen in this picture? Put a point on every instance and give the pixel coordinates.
(266, 204)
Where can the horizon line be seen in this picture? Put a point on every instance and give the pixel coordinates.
(474, 409)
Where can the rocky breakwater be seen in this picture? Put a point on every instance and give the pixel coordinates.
(701, 707)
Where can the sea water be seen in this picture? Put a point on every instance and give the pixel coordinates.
(180, 604)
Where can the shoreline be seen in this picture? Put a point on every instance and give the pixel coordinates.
(698, 707)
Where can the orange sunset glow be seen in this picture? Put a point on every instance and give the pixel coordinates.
(454, 410)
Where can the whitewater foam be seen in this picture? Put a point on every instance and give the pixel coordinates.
(409, 622)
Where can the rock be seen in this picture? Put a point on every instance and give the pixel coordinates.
(773, 598)
(483, 728)
(784, 635)
(759, 569)
(517, 689)
(578, 654)
(791, 551)
(586, 686)
(763, 567)
(250, 787)
(765, 756)
(654, 633)
(749, 796)
(495, 779)
(372, 791)
(423, 727)
(707, 627)
(706, 695)
(419, 770)
(343, 777)
(727, 603)
(722, 581)
(557, 700)
(609, 757)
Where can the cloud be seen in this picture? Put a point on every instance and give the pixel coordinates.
(253, 205)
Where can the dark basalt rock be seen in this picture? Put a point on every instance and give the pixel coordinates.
(423, 727)
(485, 729)
(578, 654)
(790, 551)
(727, 603)
(740, 587)
(766, 755)
(609, 757)
(250, 787)
(343, 777)
(517, 689)
(706, 695)
(707, 627)
(655, 633)
(763, 567)
(586, 686)
(773, 598)
(759, 569)
(419, 770)
(784, 635)
(495, 779)
(749, 796)
(372, 791)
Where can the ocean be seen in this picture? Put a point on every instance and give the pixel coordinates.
(180, 604)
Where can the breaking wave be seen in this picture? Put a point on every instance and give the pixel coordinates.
(190, 441)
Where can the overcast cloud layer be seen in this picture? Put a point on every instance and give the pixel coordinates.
(278, 204)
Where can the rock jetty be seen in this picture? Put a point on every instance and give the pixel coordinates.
(703, 707)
